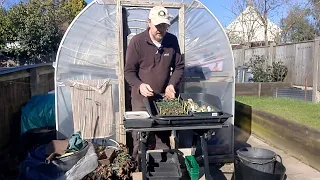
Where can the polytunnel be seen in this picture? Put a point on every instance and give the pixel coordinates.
(89, 78)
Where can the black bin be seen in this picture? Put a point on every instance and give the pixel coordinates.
(258, 164)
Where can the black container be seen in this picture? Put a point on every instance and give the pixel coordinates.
(199, 98)
(163, 165)
(258, 158)
(138, 123)
(258, 164)
(67, 162)
(244, 172)
(34, 138)
(199, 118)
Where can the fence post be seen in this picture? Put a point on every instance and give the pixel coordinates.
(316, 56)
(259, 89)
(271, 54)
(34, 81)
(243, 55)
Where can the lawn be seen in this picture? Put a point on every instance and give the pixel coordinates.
(300, 111)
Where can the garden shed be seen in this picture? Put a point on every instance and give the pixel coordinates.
(89, 79)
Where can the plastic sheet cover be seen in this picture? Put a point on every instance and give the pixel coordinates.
(89, 49)
(38, 113)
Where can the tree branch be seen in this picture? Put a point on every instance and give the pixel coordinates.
(287, 27)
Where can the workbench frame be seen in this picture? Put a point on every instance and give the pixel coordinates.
(204, 131)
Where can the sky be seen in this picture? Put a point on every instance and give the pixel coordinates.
(219, 9)
(222, 10)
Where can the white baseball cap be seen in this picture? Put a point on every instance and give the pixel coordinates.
(159, 15)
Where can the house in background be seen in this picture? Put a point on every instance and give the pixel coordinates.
(248, 28)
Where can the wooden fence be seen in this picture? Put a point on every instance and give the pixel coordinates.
(301, 59)
(259, 89)
(17, 86)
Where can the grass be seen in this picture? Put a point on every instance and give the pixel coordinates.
(306, 113)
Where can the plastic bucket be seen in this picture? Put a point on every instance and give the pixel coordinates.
(258, 163)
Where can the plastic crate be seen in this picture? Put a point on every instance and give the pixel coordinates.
(192, 167)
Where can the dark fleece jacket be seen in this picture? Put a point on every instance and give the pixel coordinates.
(145, 63)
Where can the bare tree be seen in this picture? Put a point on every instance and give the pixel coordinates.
(265, 7)
(245, 27)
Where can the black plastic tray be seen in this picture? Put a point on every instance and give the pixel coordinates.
(162, 157)
(197, 118)
(138, 123)
(199, 98)
(163, 165)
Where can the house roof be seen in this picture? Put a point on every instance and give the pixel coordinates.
(248, 27)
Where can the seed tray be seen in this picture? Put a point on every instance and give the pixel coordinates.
(136, 115)
(192, 118)
(157, 100)
(203, 99)
(137, 119)
(138, 123)
(163, 165)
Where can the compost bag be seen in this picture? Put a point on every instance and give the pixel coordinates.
(38, 112)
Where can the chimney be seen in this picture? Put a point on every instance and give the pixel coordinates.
(249, 3)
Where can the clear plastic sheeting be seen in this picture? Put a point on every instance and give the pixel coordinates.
(206, 44)
(90, 47)
(88, 51)
(138, 20)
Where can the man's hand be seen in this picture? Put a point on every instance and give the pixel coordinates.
(170, 92)
(146, 90)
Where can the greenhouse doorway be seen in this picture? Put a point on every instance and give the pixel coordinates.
(135, 21)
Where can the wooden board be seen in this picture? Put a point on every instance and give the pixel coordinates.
(259, 89)
(93, 112)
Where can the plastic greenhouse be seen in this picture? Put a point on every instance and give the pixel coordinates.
(89, 78)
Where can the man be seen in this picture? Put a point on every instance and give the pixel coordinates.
(149, 59)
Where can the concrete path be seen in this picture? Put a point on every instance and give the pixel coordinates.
(295, 170)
